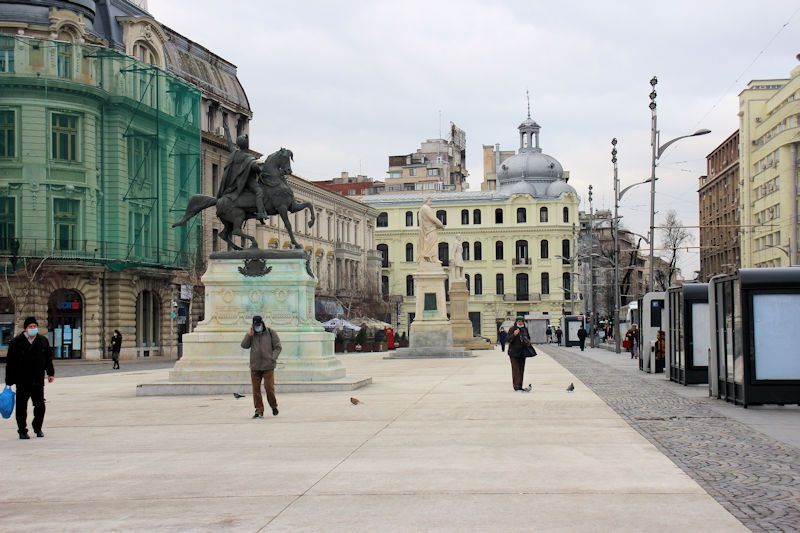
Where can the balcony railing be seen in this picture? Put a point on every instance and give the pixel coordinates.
(346, 247)
(374, 255)
(522, 261)
(99, 251)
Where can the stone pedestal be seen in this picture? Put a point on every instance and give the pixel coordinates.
(276, 285)
(431, 334)
(459, 318)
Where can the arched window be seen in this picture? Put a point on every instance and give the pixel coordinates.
(384, 251)
(478, 284)
(499, 284)
(566, 214)
(522, 215)
(544, 249)
(65, 309)
(409, 252)
(542, 214)
(465, 251)
(385, 285)
(498, 216)
(441, 214)
(145, 53)
(522, 249)
(409, 285)
(477, 251)
(476, 216)
(409, 219)
(444, 253)
(545, 283)
(466, 278)
(565, 251)
(464, 217)
(522, 287)
(498, 250)
(383, 220)
(565, 283)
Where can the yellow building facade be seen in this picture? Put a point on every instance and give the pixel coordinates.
(517, 241)
(769, 118)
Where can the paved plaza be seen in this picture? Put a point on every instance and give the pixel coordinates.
(435, 445)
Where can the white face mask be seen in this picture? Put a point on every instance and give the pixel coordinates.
(259, 328)
(520, 324)
(32, 332)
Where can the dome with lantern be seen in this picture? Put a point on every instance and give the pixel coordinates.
(532, 171)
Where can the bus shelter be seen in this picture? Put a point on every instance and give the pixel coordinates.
(570, 324)
(652, 314)
(687, 333)
(754, 355)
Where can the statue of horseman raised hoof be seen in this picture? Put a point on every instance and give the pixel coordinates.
(250, 190)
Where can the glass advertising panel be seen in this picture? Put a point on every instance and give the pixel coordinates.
(774, 336)
(700, 334)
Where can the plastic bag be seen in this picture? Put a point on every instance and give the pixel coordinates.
(7, 398)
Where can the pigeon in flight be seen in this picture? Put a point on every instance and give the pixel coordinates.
(237, 395)
(571, 387)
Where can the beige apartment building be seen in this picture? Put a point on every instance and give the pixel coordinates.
(719, 210)
(438, 165)
(769, 111)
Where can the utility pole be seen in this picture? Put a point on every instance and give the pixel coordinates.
(615, 227)
(654, 145)
(592, 320)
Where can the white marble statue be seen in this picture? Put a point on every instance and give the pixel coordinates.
(429, 227)
(457, 262)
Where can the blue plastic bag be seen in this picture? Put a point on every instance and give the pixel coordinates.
(7, 398)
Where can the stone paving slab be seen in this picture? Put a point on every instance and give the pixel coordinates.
(754, 476)
(438, 444)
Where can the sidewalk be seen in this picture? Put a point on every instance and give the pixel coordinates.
(436, 444)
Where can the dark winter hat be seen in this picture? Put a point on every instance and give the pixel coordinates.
(30, 320)
(520, 318)
(257, 320)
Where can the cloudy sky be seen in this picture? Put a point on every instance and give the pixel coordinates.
(345, 84)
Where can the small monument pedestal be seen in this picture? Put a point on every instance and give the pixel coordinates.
(276, 285)
(431, 334)
(459, 318)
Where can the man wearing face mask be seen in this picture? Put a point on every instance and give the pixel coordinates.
(519, 347)
(27, 361)
(265, 346)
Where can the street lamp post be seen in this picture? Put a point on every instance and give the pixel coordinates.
(657, 151)
(591, 272)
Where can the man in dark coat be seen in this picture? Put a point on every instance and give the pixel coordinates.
(265, 347)
(27, 361)
(518, 343)
(116, 347)
(559, 334)
(502, 337)
(582, 337)
(242, 172)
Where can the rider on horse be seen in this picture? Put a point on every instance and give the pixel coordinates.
(242, 172)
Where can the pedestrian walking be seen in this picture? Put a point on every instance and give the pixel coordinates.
(559, 334)
(27, 361)
(519, 348)
(501, 338)
(265, 347)
(632, 337)
(549, 333)
(116, 347)
(582, 337)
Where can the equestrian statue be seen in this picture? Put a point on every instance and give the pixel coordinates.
(250, 189)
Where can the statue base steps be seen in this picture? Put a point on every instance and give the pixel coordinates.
(275, 284)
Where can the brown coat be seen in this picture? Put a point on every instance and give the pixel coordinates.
(265, 347)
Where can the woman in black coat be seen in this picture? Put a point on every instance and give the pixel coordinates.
(519, 347)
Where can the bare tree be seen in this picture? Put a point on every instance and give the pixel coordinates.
(22, 287)
(674, 236)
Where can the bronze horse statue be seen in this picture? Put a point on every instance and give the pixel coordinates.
(233, 211)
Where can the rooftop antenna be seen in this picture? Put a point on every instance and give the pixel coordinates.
(440, 123)
(528, 97)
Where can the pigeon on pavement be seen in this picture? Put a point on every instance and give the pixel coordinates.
(355, 401)
(571, 387)
(237, 395)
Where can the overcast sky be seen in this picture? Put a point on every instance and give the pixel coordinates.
(346, 84)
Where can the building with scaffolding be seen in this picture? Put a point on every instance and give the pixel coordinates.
(107, 122)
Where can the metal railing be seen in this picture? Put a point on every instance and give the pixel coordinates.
(522, 261)
(342, 246)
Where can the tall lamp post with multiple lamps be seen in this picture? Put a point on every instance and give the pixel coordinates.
(618, 194)
(657, 151)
